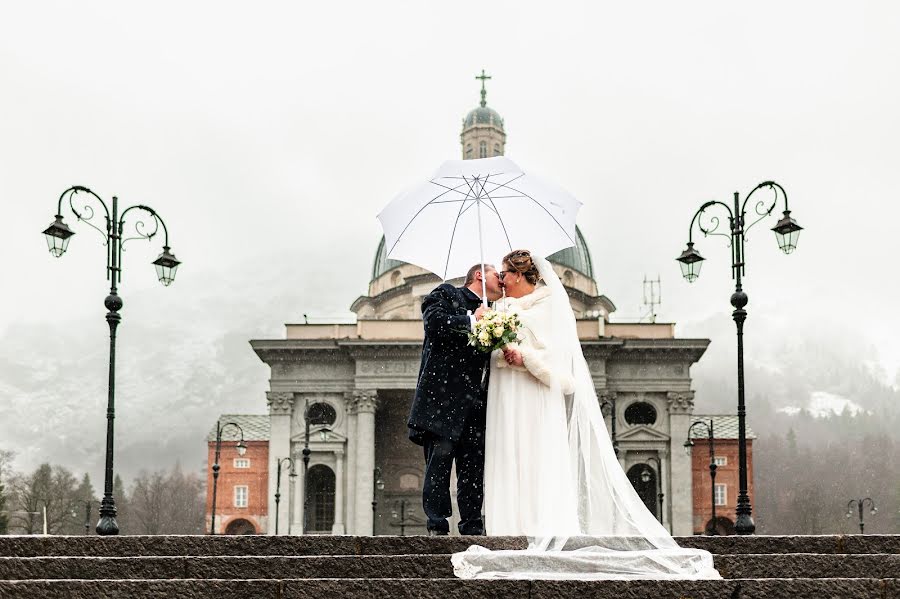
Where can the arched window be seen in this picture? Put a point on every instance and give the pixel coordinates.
(482, 150)
(640, 413)
(497, 150)
(395, 278)
(468, 150)
(320, 495)
(409, 482)
(568, 278)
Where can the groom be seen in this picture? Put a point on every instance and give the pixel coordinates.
(448, 411)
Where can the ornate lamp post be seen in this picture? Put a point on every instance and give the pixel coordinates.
(308, 421)
(403, 515)
(241, 450)
(87, 516)
(660, 496)
(377, 485)
(787, 232)
(860, 504)
(292, 476)
(608, 404)
(58, 235)
(711, 530)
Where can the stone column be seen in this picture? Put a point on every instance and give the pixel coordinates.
(366, 403)
(681, 504)
(350, 497)
(338, 528)
(281, 406)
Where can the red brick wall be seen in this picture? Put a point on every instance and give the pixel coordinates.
(727, 475)
(256, 478)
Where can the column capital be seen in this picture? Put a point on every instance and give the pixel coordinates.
(680, 402)
(280, 403)
(365, 400)
(607, 395)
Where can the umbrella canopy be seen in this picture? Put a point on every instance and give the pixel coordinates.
(477, 211)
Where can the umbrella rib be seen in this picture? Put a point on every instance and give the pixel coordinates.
(418, 212)
(500, 218)
(452, 237)
(544, 209)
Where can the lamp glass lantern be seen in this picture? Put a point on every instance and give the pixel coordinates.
(787, 232)
(688, 446)
(645, 475)
(57, 236)
(691, 261)
(241, 447)
(166, 265)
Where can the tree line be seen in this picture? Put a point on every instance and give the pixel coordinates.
(159, 502)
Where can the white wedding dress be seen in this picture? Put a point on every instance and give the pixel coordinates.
(550, 470)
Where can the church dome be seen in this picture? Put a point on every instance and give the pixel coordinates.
(483, 115)
(577, 258)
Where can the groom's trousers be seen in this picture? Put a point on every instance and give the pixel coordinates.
(468, 452)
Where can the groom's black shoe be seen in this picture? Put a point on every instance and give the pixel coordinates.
(438, 533)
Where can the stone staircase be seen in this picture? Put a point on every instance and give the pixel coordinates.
(799, 567)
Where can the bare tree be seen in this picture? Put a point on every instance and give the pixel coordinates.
(49, 489)
(167, 503)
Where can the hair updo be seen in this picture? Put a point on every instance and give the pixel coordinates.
(521, 262)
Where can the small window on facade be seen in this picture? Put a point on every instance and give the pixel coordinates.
(496, 149)
(568, 278)
(482, 150)
(240, 496)
(721, 494)
(640, 413)
(720, 461)
(241, 463)
(468, 151)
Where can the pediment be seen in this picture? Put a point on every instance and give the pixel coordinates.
(642, 432)
(315, 439)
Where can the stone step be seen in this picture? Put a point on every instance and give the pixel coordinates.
(801, 565)
(796, 588)
(35, 546)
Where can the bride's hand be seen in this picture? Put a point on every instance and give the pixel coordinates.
(513, 357)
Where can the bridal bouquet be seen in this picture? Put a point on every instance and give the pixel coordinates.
(494, 331)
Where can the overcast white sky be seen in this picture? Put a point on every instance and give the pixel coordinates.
(270, 134)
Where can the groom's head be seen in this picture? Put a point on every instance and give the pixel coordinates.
(488, 274)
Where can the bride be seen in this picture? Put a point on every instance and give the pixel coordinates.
(550, 470)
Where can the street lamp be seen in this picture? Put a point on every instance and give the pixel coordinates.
(377, 485)
(645, 476)
(860, 504)
(58, 235)
(87, 516)
(241, 450)
(403, 515)
(293, 475)
(712, 529)
(787, 232)
(609, 405)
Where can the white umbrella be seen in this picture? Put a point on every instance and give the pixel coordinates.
(472, 209)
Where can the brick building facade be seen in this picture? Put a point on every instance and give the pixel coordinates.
(242, 499)
(725, 442)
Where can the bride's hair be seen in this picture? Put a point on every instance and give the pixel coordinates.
(521, 262)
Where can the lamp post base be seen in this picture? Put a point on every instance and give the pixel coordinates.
(108, 525)
(743, 524)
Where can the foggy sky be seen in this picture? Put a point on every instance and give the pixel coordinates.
(269, 135)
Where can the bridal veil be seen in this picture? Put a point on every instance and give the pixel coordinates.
(618, 537)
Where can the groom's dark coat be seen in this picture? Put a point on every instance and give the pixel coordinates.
(453, 374)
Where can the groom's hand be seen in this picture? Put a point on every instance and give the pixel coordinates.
(479, 313)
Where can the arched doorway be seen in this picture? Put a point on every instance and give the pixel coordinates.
(320, 497)
(240, 527)
(646, 489)
(724, 526)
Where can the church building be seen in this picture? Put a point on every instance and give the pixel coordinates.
(344, 391)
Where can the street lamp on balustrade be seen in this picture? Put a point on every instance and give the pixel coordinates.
(404, 515)
(646, 475)
(787, 232)
(860, 504)
(292, 476)
(113, 231)
(241, 450)
(688, 445)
